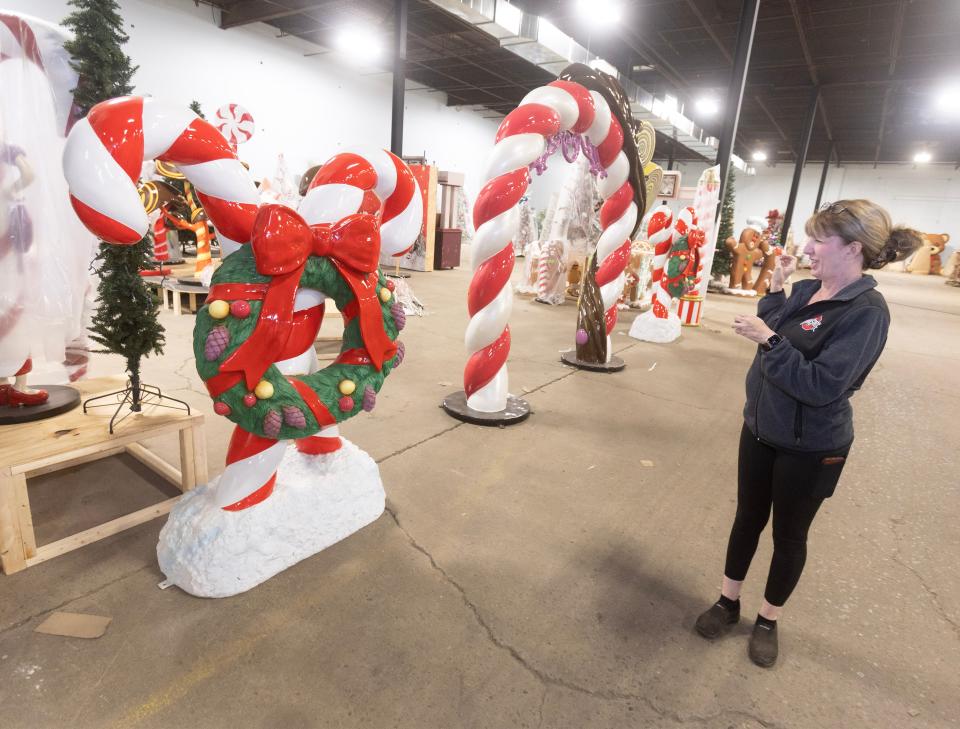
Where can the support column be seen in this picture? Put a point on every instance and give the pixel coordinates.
(399, 76)
(801, 160)
(738, 81)
(823, 176)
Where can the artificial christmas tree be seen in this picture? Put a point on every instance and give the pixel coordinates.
(722, 258)
(126, 319)
(97, 51)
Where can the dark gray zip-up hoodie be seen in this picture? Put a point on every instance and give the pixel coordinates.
(798, 393)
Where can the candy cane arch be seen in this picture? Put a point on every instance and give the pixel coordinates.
(561, 106)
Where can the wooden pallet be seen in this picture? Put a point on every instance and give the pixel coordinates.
(43, 446)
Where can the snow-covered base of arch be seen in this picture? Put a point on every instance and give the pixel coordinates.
(318, 500)
(648, 328)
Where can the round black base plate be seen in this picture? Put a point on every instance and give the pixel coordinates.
(517, 411)
(61, 400)
(570, 357)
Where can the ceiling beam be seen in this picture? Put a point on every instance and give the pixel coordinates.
(811, 66)
(263, 11)
(883, 123)
(895, 38)
(707, 27)
(783, 134)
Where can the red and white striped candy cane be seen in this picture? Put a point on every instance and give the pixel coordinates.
(520, 140)
(104, 153)
(337, 190)
(369, 180)
(110, 144)
(350, 182)
(659, 227)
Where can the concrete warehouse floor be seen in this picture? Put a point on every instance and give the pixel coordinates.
(535, 576)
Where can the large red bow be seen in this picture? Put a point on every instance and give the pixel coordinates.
(282, 243)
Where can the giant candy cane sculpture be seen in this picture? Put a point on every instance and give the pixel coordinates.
(109, 147)
(585, 107)
(355, 203)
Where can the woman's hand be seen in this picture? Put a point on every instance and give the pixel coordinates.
(784, 269)
(752, 327)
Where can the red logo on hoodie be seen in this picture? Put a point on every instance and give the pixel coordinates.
(810, 325)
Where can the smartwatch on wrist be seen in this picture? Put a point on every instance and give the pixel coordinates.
(771, 342)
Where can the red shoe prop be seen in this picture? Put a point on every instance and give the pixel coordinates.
(12, 397)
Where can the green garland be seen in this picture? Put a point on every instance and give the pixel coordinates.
(319, 274)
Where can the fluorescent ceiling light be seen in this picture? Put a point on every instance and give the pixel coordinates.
(922, 157)
(949, 100)
(600, 13)
(708, 105)
(358, 44)
(759, 156)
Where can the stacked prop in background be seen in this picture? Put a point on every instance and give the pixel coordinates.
(292, 486)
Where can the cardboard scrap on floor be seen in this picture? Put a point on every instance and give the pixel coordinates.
(74, 625)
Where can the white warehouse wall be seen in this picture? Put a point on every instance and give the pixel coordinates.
(305, 107)
(921, 197)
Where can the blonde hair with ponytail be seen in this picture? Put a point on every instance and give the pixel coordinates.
(868, 224)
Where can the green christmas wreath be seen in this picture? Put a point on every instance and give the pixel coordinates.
(275, 408)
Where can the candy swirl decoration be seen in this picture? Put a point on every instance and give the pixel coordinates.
(235, 123)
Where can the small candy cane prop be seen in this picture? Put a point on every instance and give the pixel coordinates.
(660, 234)
(235, 123)
(686, 222)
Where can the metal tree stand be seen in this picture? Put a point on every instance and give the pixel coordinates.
(137, 395)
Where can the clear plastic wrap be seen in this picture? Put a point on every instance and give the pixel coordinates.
(46, 290)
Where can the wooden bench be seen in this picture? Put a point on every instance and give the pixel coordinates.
(43, 446)
(195, 297)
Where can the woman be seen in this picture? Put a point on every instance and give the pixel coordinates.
(816, 349)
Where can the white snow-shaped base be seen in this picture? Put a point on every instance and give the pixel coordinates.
(740, 292)
(317, 501)
(648, 328)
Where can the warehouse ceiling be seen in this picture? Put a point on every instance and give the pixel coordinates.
(880, 64)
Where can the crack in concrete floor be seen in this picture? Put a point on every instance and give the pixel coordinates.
(94, 591)
(547, 679)
(897, 557)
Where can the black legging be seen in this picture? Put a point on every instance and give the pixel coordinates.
(794, 484)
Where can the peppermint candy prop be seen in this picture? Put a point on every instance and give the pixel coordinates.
(235, 123)
(253, 339)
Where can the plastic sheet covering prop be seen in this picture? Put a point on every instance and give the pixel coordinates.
(45, 286)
